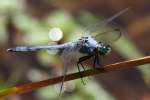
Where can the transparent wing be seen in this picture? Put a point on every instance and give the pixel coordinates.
(103, 32)
(108, 36)
(36, 48)
(104, 23)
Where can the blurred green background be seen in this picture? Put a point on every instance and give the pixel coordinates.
(28, 22)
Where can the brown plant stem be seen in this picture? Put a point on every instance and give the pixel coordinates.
(111, 67)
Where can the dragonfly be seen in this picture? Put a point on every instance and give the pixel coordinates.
(93, 43)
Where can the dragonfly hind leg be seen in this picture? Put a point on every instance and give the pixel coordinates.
(80, 74)
(80, 63)
(63, 79)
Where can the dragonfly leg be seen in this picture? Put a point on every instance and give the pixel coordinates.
(80, 62)
(82, 66)
(63, 79)
(80, 74)
(95, 59)
(83, 59)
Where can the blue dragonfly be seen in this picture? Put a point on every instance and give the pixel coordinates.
(93, 43)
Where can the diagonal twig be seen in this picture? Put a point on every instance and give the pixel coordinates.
(107, 68)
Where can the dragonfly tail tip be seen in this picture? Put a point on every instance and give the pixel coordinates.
(10, 50)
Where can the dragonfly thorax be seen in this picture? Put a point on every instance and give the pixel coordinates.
(88, 45)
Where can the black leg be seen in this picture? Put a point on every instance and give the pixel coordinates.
(80, 62)
(83, 59)
(82, 66)
(95, 59)
(98, 60)
(64, 76)
(80, 74)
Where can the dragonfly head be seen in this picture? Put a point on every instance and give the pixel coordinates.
(104, 49)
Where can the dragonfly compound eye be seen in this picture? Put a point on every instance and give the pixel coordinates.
(104, 50)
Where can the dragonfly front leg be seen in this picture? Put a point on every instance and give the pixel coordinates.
(96, 61)
(80, 63)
